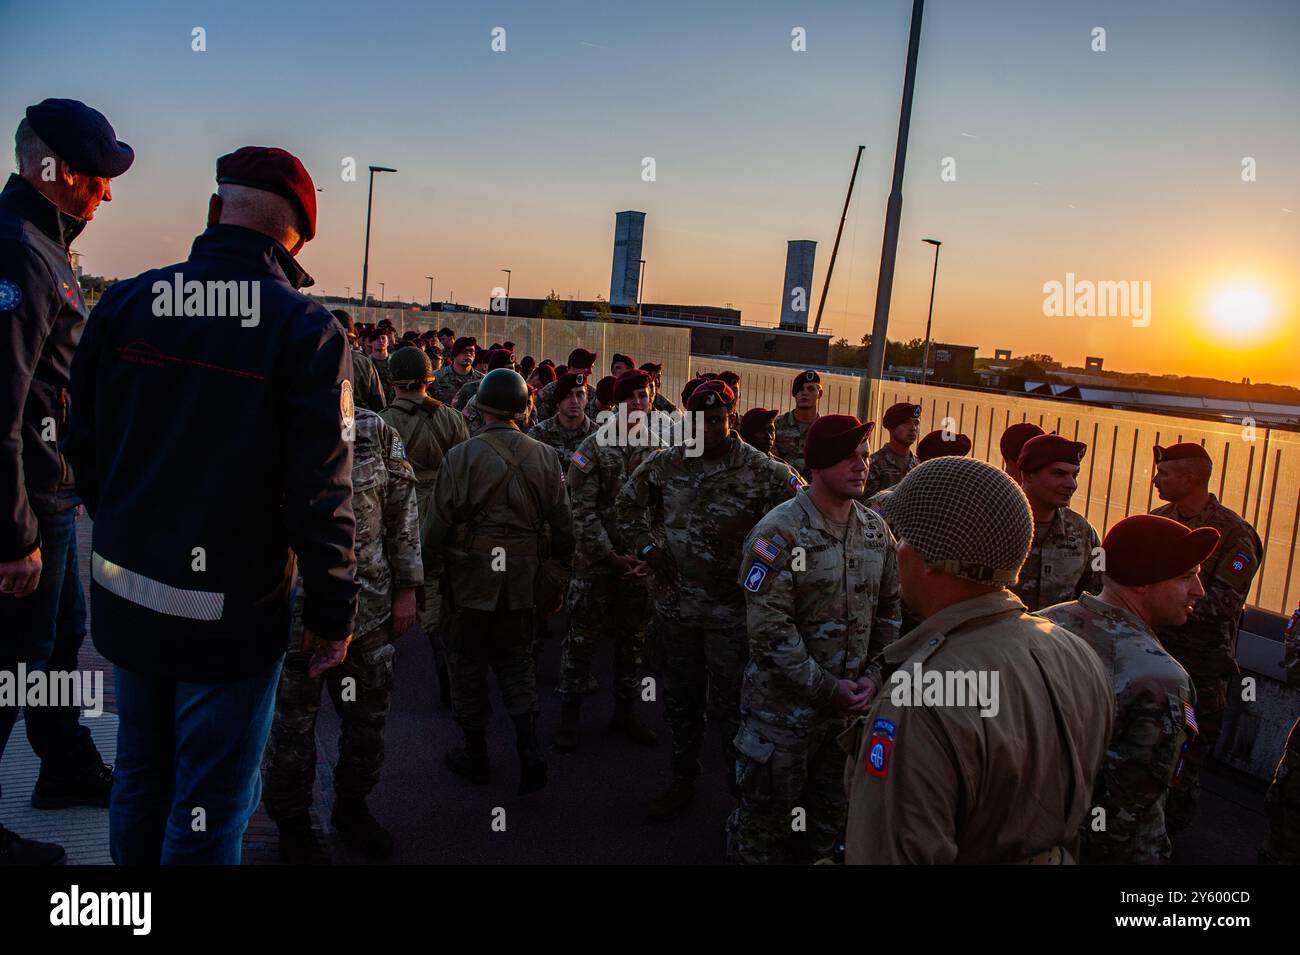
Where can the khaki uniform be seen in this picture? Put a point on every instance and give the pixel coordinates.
(821, 601)
(600, 604)
(564, 440)
(367, 392)
(388, 560)
(790, 436)
(886, 469)
(1060, 562)
(1282, 801)
(703, 510)
(1154, 724)
(447, 382)
(496, 497)
(1206, 645)
(943, 784)
(429, 429)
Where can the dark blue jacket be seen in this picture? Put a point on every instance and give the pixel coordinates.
(41, 317)
(208, 448)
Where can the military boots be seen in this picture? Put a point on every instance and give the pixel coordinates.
(627, 724)
(673, 801)
(532, 764)
(360, 829)
(471, 760)
(566, 738)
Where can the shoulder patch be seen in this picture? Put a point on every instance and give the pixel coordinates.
(347, 410)
(582, 461)
(766, 550)
(11, 296)
(879, 748)
(754, 579)
(1240, 563)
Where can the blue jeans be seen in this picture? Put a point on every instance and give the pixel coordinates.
(45, 630)
(187, 777)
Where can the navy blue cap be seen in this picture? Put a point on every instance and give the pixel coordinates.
(81, 137)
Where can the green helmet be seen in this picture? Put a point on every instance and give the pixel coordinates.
(503, 393)
(410, 365)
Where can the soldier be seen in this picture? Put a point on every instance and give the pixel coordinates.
(66, 154)
(540, 377)
(608, 596)
(621, 363)
(937, 444)
(1013, 439)
(1150, 581)
(464, 400)
(389, 571)
(447, 381)
(758, 428)
(821, 593)
(702, 507)
(379, 358)
(792, 427)
(580, 360)
(1282, 801)
(495, 499)
(366, 388)
(1206, 645)
(570, 426)
(894, 459)
(446, 339)
(1063, 561)
(949, 765)
(429, 429)
(658, 400)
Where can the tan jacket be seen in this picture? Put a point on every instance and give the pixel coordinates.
(491, 527)
(943, 784)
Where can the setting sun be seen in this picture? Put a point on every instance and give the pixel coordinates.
(1241, 312)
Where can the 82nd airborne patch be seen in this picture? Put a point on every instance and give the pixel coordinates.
(879, 748)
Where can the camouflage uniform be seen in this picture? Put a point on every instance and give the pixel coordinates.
(385, 378)
(822, 600)
(790, 436)
(704, 510)
(564, 440)
(429, 429)
(1206, 645)
(599, 602)
(1153, 729)
(887, 469)
(388, 560)
(1059, 565)
(367, 392)
(1282, 801)
(447, 382)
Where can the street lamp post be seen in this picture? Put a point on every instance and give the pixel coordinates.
(430, 278)
(507, 271)
(640, 291)
(381, 294)
(348, 289)
(370, 198)
(925, 355)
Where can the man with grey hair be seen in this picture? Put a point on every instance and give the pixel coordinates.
(982, 744)
(66, 154)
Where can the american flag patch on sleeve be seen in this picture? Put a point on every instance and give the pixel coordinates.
(581, 460)
(765, 549)
(1189, 717)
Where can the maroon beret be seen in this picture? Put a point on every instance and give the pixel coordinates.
(623, 359)
(691, 386)
(802, 379)
(757, 419)
(1014, 438)
(1187, 451)
(462, 344)
(1146, 549)
(545, 374)
(628, 382)
(272, 170)
(832, 438)
(731, 378)
(711, 394)
(581, 358)
(547, 361)
(569, 381)
(652, 367)
(501, 358)
(936, 444)
(900, 413)
(1047, 449)
(605, 390)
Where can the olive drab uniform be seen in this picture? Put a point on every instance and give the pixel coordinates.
(564, 440)
(885, 469)
(1155, 721)
(942, 783)
(1206, 645)
(385, 373)
(497, 495)
(821, 601)
(388, 559)
(703, 511)
(447, 381)
(366, 388)
(600, 603)
(429, 429)
(1282, 801)
(790, 436)
(1060, 565)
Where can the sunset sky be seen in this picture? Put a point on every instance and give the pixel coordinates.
(1117, 165)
